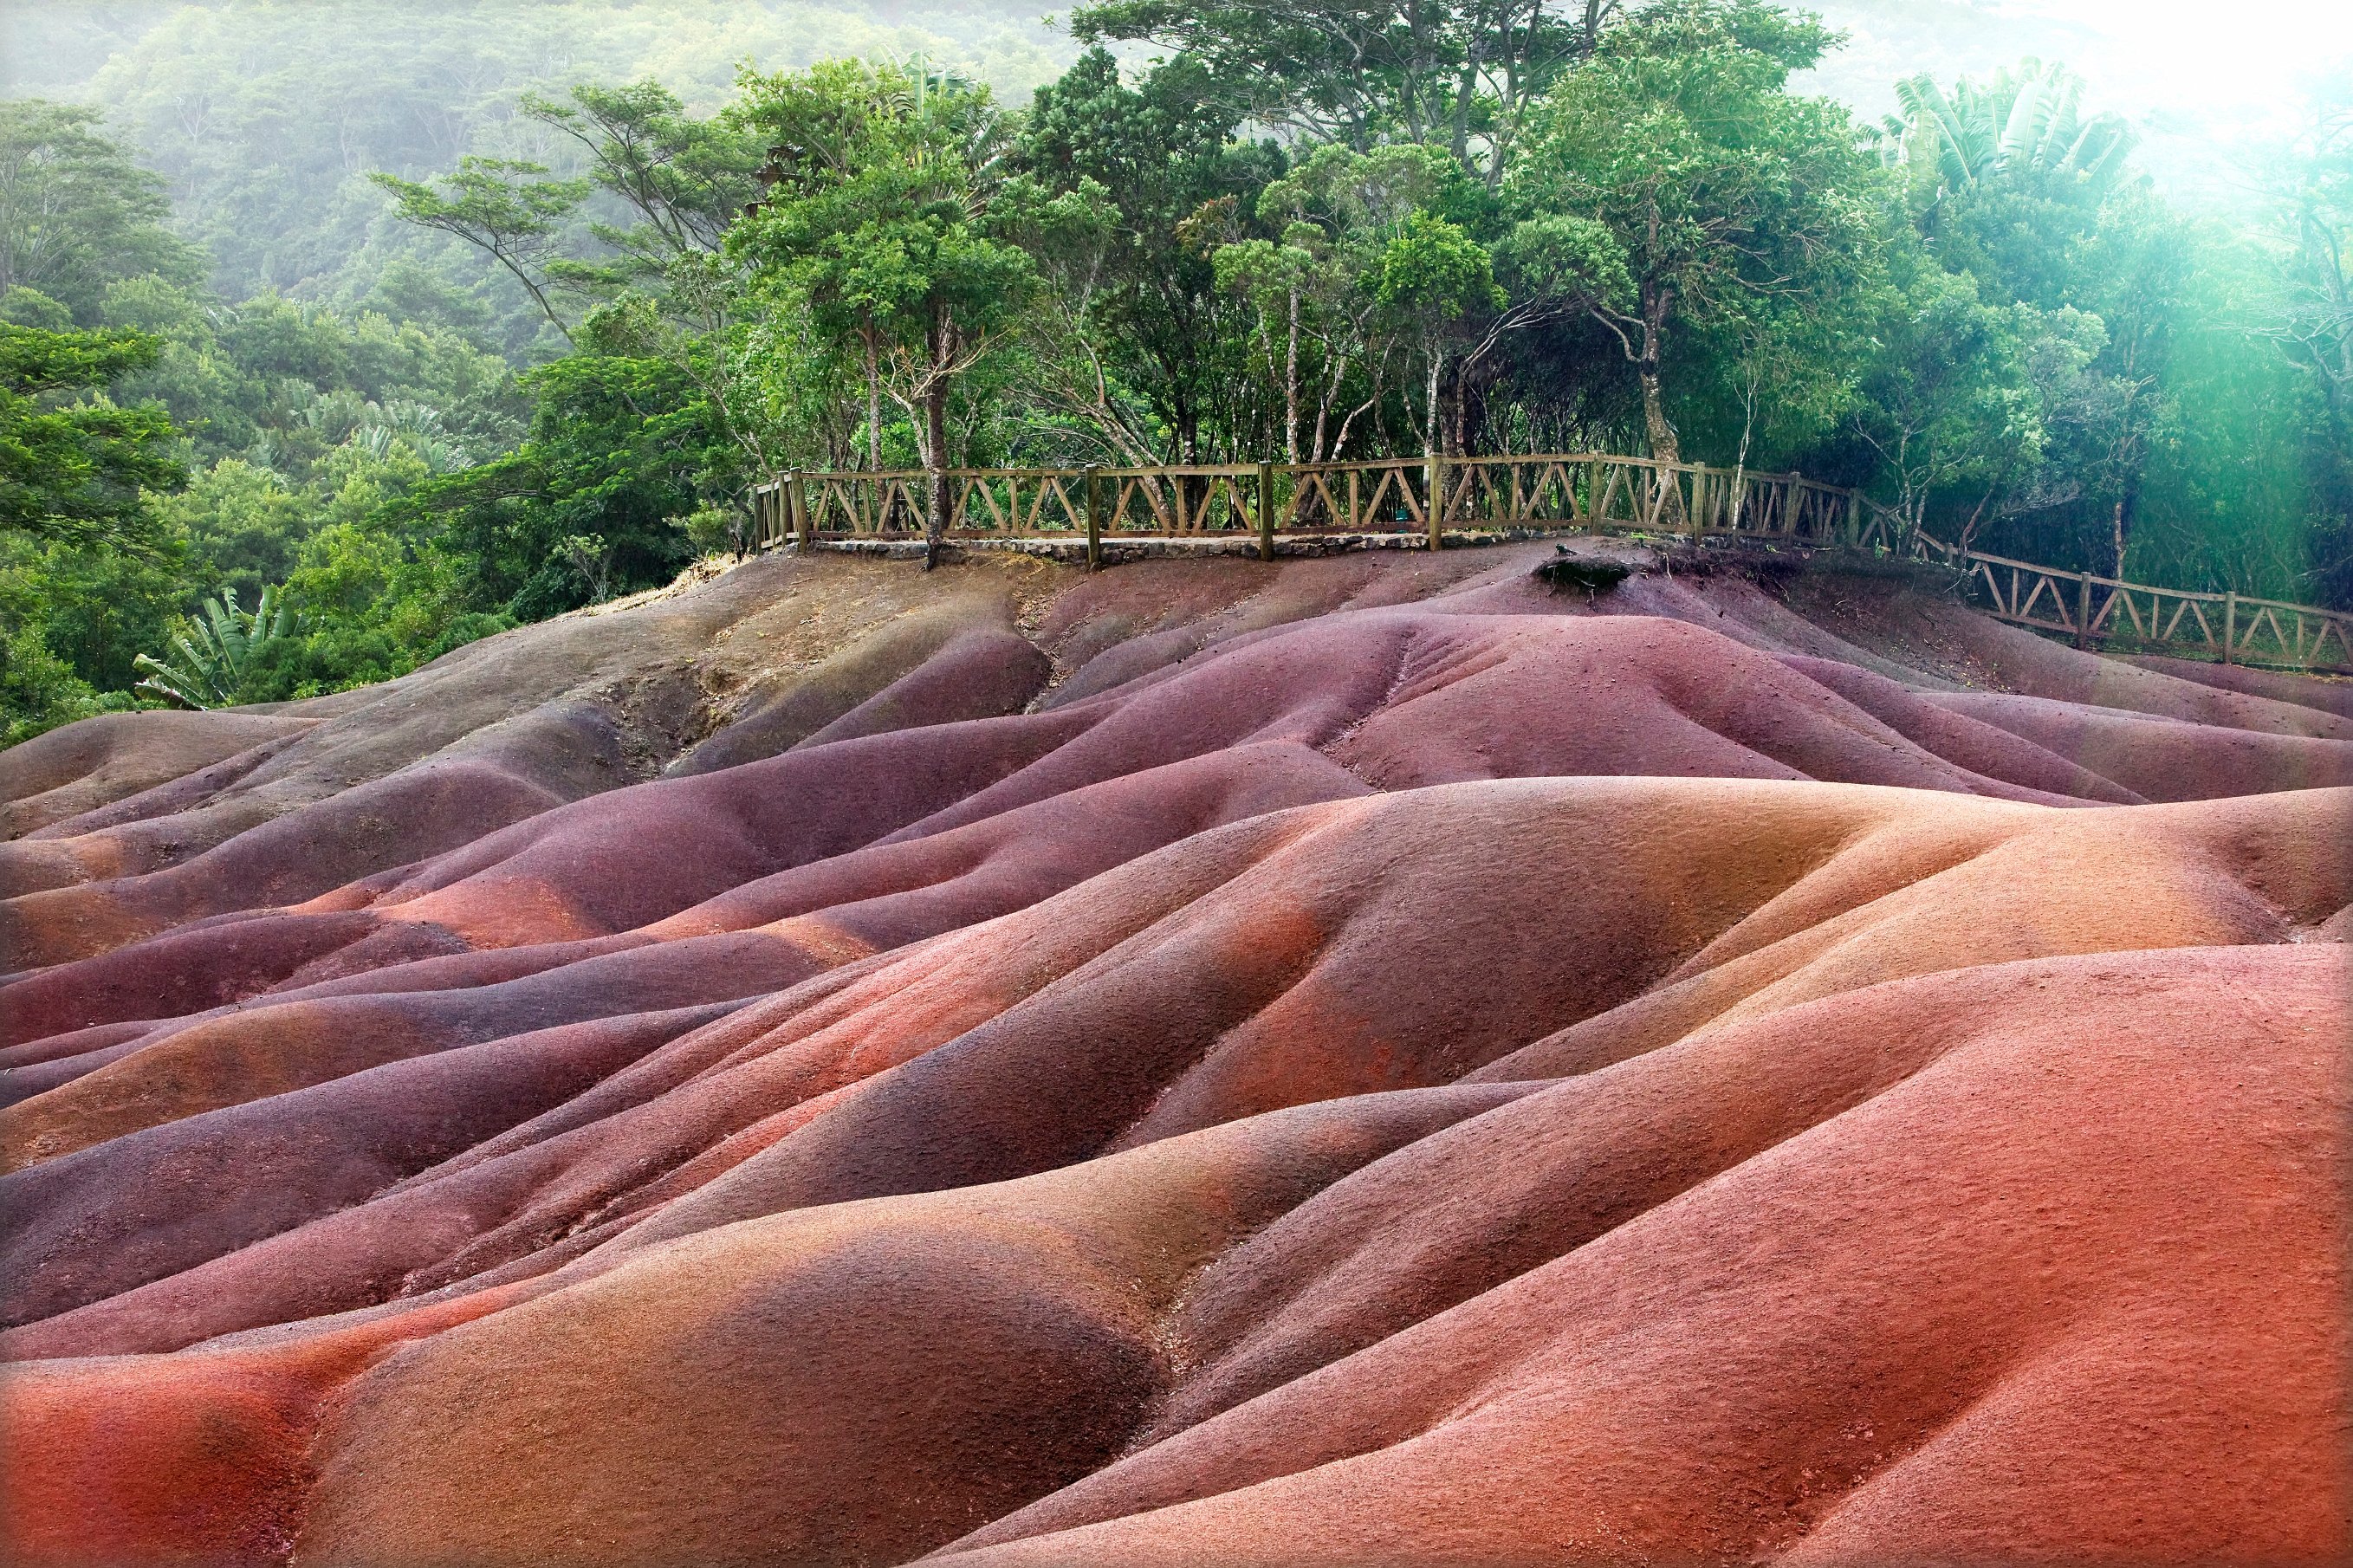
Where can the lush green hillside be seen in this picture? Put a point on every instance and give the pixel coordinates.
(443, 317)
(266, 118)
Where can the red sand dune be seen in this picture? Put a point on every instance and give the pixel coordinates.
(1363, 1060)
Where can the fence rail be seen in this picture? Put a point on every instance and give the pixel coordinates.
(1393, 498)
(1568, 491)
(2233, 627)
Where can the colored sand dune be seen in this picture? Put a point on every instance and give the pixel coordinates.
(1365, 1060)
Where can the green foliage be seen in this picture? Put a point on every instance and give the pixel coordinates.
(75, 471)
(71, 620)
(1368, 276)
(879, 222)
(38, 690)
(262, 117)
(1133, 339)
(375, 605)
(295, 380)
(241, 524)
(2023, 127)
(2311, 323)
(684, 179)
(216, 651)
(1729, 199)
(505, 207)
(590, 504)
(1461, 78)
(94, 608)
(1519, 226)
(1948, 402)
(26, 307)
(76, 213)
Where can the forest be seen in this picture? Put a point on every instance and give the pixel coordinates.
(310, 379)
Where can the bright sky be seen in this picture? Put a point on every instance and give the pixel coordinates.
(2204, 81)
(2240, 53)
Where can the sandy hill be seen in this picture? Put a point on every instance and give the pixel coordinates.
(1360, 1060)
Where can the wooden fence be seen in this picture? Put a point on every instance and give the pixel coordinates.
(2091, 609)
(1389, 500)
(1382, 496)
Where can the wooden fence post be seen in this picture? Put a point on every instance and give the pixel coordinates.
(869, 502)
(1434, 505)
(1266, 512)
(1094, 517)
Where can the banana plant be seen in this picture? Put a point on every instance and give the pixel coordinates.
(216, 651)
(2021, 122)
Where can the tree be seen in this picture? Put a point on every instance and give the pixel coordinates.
(1945, 404)
(1437, 286)
(1134, 334)
(2313, 325)
(1331, 301)
(1719, 188)
(74, 471)
(2007, 178)
(880, 215)
(509, 209)
(1376, 263)
(76, 213)
(2009, 182)
(73, 619)
(242, 524)
(661, 288)
(685, 180)
(2136, 274)
(2315, 202)
(1462, 77)
(615, 450)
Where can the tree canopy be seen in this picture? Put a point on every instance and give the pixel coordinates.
(73, 471)
(494, 339)
(77, 214)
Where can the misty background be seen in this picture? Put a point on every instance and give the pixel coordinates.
(266, 116)
(2099, 318)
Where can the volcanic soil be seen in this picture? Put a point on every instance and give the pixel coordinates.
(1361, 1060)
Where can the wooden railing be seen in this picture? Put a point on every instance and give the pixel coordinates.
(1389, 500)
(2108, 611)
(1381, 496)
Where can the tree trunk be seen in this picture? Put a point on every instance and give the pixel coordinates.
(2118, 531)
(935, 443)
(1431, 434)
(1465, 391)
(1664, 445)
(873, 406)
(1291, 385)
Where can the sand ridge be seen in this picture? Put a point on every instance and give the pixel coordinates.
(1364, 1059)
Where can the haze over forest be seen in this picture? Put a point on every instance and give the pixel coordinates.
(2118, 344)
(1241, 782)
(437, 78)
